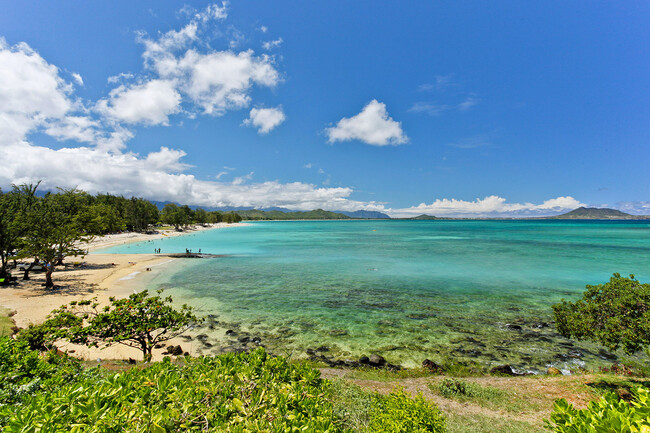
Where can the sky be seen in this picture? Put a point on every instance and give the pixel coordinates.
(463, 108)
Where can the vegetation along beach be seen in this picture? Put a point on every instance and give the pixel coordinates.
(324, 217)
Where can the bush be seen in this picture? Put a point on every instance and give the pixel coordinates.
(24, 371)
(398, 412)
(609, 414)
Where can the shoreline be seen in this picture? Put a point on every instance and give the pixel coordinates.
(96, 275)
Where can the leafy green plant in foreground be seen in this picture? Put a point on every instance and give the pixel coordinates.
(228, 393)
(609, 414)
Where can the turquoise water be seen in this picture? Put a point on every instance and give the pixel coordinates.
(477, 291)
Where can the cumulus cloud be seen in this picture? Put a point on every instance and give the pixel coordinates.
(491, 206)
(265, 119)
(269, 45)
(150, 103)
(31, 92)
(372, 126)
(213, 81)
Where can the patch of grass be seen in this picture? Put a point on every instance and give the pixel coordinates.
(477, 423)
(352, 405)
(484, 396)
(5, 322)
(623, 386)
(386, 375)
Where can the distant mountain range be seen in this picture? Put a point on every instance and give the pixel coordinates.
(594, 213)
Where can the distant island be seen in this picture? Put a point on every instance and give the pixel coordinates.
(594, 213)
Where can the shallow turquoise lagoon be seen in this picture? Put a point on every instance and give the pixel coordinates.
(474, 291)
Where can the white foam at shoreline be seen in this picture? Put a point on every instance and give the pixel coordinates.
(130, 276)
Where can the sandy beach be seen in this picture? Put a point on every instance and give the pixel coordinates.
(95, 275)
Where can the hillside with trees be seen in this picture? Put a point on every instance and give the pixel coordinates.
(318, 214)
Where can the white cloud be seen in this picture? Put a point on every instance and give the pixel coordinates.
(243, 179)
(321, 171)
(372, 126)
(308, 165)
(31, 92)
(634, 207)
(491, 206)
(430, 108)
(78, 78)
(265, 119)
(113, 79)
(150, 103)
(79, 128)
(269, 45)
(264, 29)
(468, 103)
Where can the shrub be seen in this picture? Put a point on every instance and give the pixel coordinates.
(398, 412)
(609, 414)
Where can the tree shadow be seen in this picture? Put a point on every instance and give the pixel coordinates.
(623, 387)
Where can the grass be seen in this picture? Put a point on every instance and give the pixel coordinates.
(5, 322)
(478, 423)
(485, 396)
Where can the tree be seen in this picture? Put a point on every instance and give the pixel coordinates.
(15, 207)
(174, 215)
(53, 232)
(615, 314)
(140, 321)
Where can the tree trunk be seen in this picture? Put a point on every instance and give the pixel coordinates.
(31, 266)
(48, 277)
(59, 262)
(146, 351)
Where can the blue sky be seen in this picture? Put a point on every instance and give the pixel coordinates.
(446, 108)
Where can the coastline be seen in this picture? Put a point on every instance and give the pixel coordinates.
(96, 275)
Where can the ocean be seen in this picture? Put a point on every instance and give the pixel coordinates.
(471, 291)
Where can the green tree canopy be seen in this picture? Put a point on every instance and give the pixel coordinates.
(54, 232)
(140, 321)
(615, 314)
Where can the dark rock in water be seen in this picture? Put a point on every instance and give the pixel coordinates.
(206, 344)
(364, 360)
(351, 363)
(323, 349)
(310, 352)
(574, 354)
(475, 342)
(211, 326)
(504, 370)
(202, 337)
(416, 316)
(377, 360)
(540, 325)
(244, 339)
(231, 332)
(603, 354)
(338, 332)
(256, 340)
(187, 338)
(512, 327)
(553, 371)
(432, 366)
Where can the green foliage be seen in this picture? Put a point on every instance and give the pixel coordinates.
(36, 337)
(397, 413)
(24, 372)
(609, 414)
(615, 314)
(230, 393)
(140, 321)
